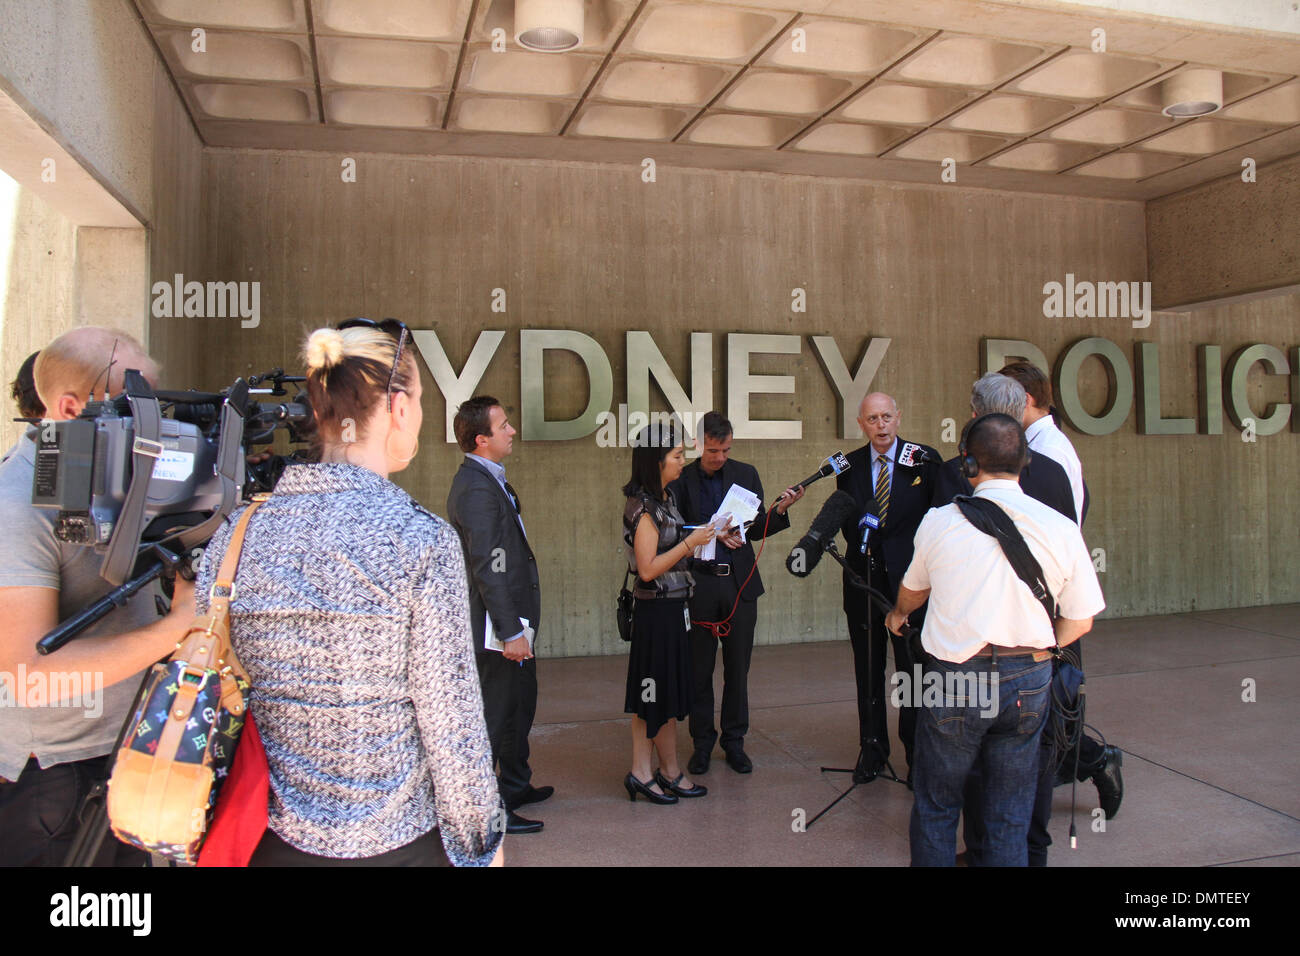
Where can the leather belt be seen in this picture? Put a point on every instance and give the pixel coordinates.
(1037, 653)
(715, 570)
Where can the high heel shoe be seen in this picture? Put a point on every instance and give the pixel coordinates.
(635, 786)
(671, 786)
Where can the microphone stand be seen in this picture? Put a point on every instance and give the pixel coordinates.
(872, 746)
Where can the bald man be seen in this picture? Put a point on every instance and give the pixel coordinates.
(53, 750)
(892, 480)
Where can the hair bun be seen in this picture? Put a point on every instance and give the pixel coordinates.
(324, 349)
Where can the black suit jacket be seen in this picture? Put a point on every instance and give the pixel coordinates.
(910, 494)
(1042, 479)
(686, 489)
(499, 562)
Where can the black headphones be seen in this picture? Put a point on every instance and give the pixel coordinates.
(969, 466)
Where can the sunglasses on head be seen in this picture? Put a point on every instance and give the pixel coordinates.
(394, 327)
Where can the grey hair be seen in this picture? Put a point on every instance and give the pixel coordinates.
(995, 392)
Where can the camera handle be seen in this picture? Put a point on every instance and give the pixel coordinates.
(114, 599)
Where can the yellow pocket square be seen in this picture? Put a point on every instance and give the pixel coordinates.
(916, 481)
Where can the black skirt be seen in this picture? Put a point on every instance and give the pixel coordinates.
(660, 686)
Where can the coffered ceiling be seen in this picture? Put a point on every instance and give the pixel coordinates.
(1011, 92)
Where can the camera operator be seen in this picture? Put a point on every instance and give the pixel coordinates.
(985, 626)
(53, 750)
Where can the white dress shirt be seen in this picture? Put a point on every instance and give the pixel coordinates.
(1045, 438)
(975, 596)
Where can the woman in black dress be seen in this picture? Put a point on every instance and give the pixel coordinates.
(659, 666)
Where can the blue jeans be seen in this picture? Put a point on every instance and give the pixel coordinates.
(1005, 736)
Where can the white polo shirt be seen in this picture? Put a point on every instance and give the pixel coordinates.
(1045, 438)
(975, 596)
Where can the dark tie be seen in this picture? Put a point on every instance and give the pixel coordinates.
(514, 498)
(882, 489)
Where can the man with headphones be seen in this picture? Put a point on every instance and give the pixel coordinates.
(989, 640)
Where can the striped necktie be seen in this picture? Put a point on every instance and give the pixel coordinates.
(882, 489)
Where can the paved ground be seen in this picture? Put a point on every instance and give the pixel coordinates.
(1209, 779)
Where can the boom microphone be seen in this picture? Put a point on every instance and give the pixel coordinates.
(833, 465)
(805, 555)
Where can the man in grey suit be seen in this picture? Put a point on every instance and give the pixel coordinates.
(504, 597)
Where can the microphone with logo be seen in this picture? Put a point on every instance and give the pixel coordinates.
(836, 464)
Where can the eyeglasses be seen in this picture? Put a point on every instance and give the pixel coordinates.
(394, 327)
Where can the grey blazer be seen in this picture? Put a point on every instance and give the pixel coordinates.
(499, 562)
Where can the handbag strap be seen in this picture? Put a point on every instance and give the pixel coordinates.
(230, 560)
(992, 520)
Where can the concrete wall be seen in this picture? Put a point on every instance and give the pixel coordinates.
(87, 73)
(1226, 238)
(85, 70)
(38, 295)
(595, 249)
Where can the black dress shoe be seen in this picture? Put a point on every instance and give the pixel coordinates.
(738, 761)
(672, 786)
(517, 824)
(1109, 781)
(536, 795)
(635, 786)
(699, 762)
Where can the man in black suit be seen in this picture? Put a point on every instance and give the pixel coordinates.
(699, 493)
(1041, 479)
(892, 480)
(504, 597)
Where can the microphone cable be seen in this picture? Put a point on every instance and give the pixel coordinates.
(721, 629)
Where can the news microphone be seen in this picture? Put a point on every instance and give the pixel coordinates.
(913, 454)
(834, 465)
(867, 524)
(805, 555)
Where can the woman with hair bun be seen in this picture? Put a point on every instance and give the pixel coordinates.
(351, 616)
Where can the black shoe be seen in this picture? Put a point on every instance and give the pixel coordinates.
(517, 824)
(536, 795)
(1109, 781)
(671, 786)
(699, 762)
(738, 761)
(635, 786)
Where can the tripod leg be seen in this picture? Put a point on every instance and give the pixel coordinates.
(94, 827)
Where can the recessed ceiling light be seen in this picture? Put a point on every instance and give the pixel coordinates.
(1192, 93)
(548, 26)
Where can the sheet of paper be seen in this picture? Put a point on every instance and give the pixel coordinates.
(738, 506)
(490, 642)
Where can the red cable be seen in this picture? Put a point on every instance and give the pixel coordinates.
(721, 628)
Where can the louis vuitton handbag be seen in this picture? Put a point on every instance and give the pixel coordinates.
(184, 730)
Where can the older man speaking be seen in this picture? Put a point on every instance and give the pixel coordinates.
(892, 480)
